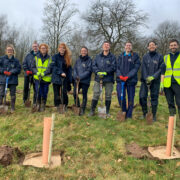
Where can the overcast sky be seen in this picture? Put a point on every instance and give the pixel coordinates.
(30, 12)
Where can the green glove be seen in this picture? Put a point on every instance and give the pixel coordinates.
(102, 74)
(42, 74)
(161, 87)
(38, 73)
(149, 79)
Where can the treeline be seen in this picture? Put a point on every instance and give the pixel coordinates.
(115, 21)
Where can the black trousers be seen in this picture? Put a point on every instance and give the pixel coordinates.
(84, 88)
(154, 93)
(12, 88)
(173, 94)
(58, 96)
(27, 81)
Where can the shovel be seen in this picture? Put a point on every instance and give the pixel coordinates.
(4, 107)
(36, 108)
(62, 105)
(101, 109)
(28, 102)
(121, 115)
(149, 116)
(76, 109)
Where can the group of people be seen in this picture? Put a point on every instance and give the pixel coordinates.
(158, 73)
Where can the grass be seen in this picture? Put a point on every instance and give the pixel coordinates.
(94, 147)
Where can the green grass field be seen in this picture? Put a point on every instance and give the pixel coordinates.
(94, 147)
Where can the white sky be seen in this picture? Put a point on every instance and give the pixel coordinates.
(29, 12)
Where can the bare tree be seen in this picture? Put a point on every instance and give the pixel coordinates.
(57, 16)
(164, 32)
(112, 20)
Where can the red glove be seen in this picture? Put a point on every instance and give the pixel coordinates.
(28, 72)
(125, 78)
(121, 78)
(7, 73)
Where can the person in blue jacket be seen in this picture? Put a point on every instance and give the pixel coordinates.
(104, 66)
(128, 65)
(82, 73)
(9, 68)
(61, 70)
(28, 77)
(150, 74)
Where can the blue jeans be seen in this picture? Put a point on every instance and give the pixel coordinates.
(131, 93)
(41, 90)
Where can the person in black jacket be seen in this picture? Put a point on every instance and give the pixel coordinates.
(150, 74)
(104, 66)
(128, 65)
(9, 68)
(28, 77)
(61, 70)
(82, 72)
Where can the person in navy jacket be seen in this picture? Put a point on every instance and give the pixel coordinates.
(28, 74)
(9, 68)
(128, 65)
(104, 66)
(150, 74)
(82, 73)
(61, 68)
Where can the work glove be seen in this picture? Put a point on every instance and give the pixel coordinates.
(123, 78)
(42, 74)
(149, 79)
(28, 72)
(7, 73)
(161, 87)
(102, 74)
(38, 74)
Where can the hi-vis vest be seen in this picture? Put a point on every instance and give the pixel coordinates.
(42, 67)
(175, 71)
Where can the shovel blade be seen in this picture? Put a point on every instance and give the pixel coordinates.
(76, 110)
(121, 116)
(3, 109)
(28, 103)
(35, 108)
(149, 118)
(8, 103)
(102, 112)
(61, 109)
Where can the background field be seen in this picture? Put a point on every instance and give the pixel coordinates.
(94, 148)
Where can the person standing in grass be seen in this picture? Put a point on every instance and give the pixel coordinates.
(61, 70)
(170, 78)
(41, 68)
(82, 73)
(128, 65)
(28, 77)
(150, 74)
(104, 66)
(9, 68)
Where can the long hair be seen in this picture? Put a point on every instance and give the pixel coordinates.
(67, 54)
(11, 46)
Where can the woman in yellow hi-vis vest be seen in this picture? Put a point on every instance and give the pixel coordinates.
(41, 68)
(170, 78)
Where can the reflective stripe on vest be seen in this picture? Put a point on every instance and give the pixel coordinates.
(175, 71)
(42, 67)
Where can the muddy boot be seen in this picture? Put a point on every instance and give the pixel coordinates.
(1, 100)
(108, 104)
(154, 110)
(13, 99)
(43, 105)
(83, 107)
(93, 107)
